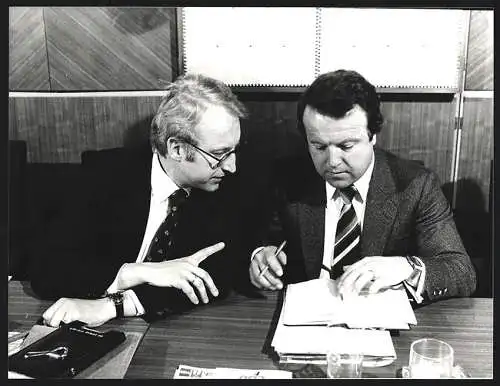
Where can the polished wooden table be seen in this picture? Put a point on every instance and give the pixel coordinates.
(237, 331)
(25, 309)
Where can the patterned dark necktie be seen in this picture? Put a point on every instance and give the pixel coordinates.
(164, 237)
(347, 246)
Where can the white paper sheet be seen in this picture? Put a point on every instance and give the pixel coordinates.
(185, 372)
(317, 302)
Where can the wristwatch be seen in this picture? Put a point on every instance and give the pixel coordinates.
(117, 299)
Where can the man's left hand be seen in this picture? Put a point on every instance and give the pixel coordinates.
(374, 273)
(92, 312)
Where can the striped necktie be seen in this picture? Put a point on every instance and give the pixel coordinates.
(347, 236)
(164, 237)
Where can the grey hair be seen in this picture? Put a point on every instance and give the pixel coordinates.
(183, 105)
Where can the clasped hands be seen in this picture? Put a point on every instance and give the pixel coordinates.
(183, 273)
(372, 273)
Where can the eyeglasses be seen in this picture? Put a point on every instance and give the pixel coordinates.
(220, 160)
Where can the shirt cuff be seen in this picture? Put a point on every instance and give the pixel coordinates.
(131, 301)
(415, 283)
(131, 304)
(255, 251)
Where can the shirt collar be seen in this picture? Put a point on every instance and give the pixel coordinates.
(361, 185)
(162, 185)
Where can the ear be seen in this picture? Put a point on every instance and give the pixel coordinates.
(175, 149)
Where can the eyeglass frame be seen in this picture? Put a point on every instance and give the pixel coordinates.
(220, 160)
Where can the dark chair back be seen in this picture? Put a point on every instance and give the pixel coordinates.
(16, 207)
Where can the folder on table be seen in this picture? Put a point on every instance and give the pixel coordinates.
(75, 347)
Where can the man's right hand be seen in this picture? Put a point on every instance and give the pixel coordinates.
(270, 279)
(184, 274)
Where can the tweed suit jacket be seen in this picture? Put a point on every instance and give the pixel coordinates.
(104, 226)
(406, 214)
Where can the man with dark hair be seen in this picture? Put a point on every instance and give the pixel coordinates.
(362, 215)
(153, 233)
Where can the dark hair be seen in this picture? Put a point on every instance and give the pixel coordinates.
(335, 93)
(183, 106)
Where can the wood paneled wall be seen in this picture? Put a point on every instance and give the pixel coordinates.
(58, 129)
(134, 48)
(476, 156)
(91, 48)
(420, 131)
(28, 62)
(480, 52)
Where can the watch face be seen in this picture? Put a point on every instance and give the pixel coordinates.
(118, 301)
(117, 298)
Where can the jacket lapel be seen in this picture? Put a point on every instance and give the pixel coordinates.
(139, 193)
(381, 208)
(311, 218)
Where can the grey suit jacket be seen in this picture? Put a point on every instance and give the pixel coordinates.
(406, 214)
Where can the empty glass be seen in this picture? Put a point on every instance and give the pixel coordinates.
(430, 358)
(344, 365)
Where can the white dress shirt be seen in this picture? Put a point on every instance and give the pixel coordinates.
(334, 204)
(162, 187)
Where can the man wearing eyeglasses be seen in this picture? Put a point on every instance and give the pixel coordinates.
(154, 234)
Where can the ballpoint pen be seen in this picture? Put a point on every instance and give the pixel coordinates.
(280, 248)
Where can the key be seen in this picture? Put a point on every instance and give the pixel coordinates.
(57, 353)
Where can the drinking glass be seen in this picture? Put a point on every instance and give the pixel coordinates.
(344, 365)
(430, 358)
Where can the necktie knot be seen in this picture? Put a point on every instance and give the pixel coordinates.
(349, 192)
(177, 198)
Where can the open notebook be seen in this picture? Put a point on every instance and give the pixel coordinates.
(317, 302)
(314, 317)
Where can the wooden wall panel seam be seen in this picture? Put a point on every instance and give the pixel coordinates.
(46, 49)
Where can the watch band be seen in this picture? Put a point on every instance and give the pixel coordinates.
(117, 299)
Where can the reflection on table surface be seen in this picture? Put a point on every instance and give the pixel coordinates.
(237, 331)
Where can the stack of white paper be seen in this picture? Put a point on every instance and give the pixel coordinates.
(314, 316)
(311, 343)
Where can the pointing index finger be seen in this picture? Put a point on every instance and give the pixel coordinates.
(202, 254)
